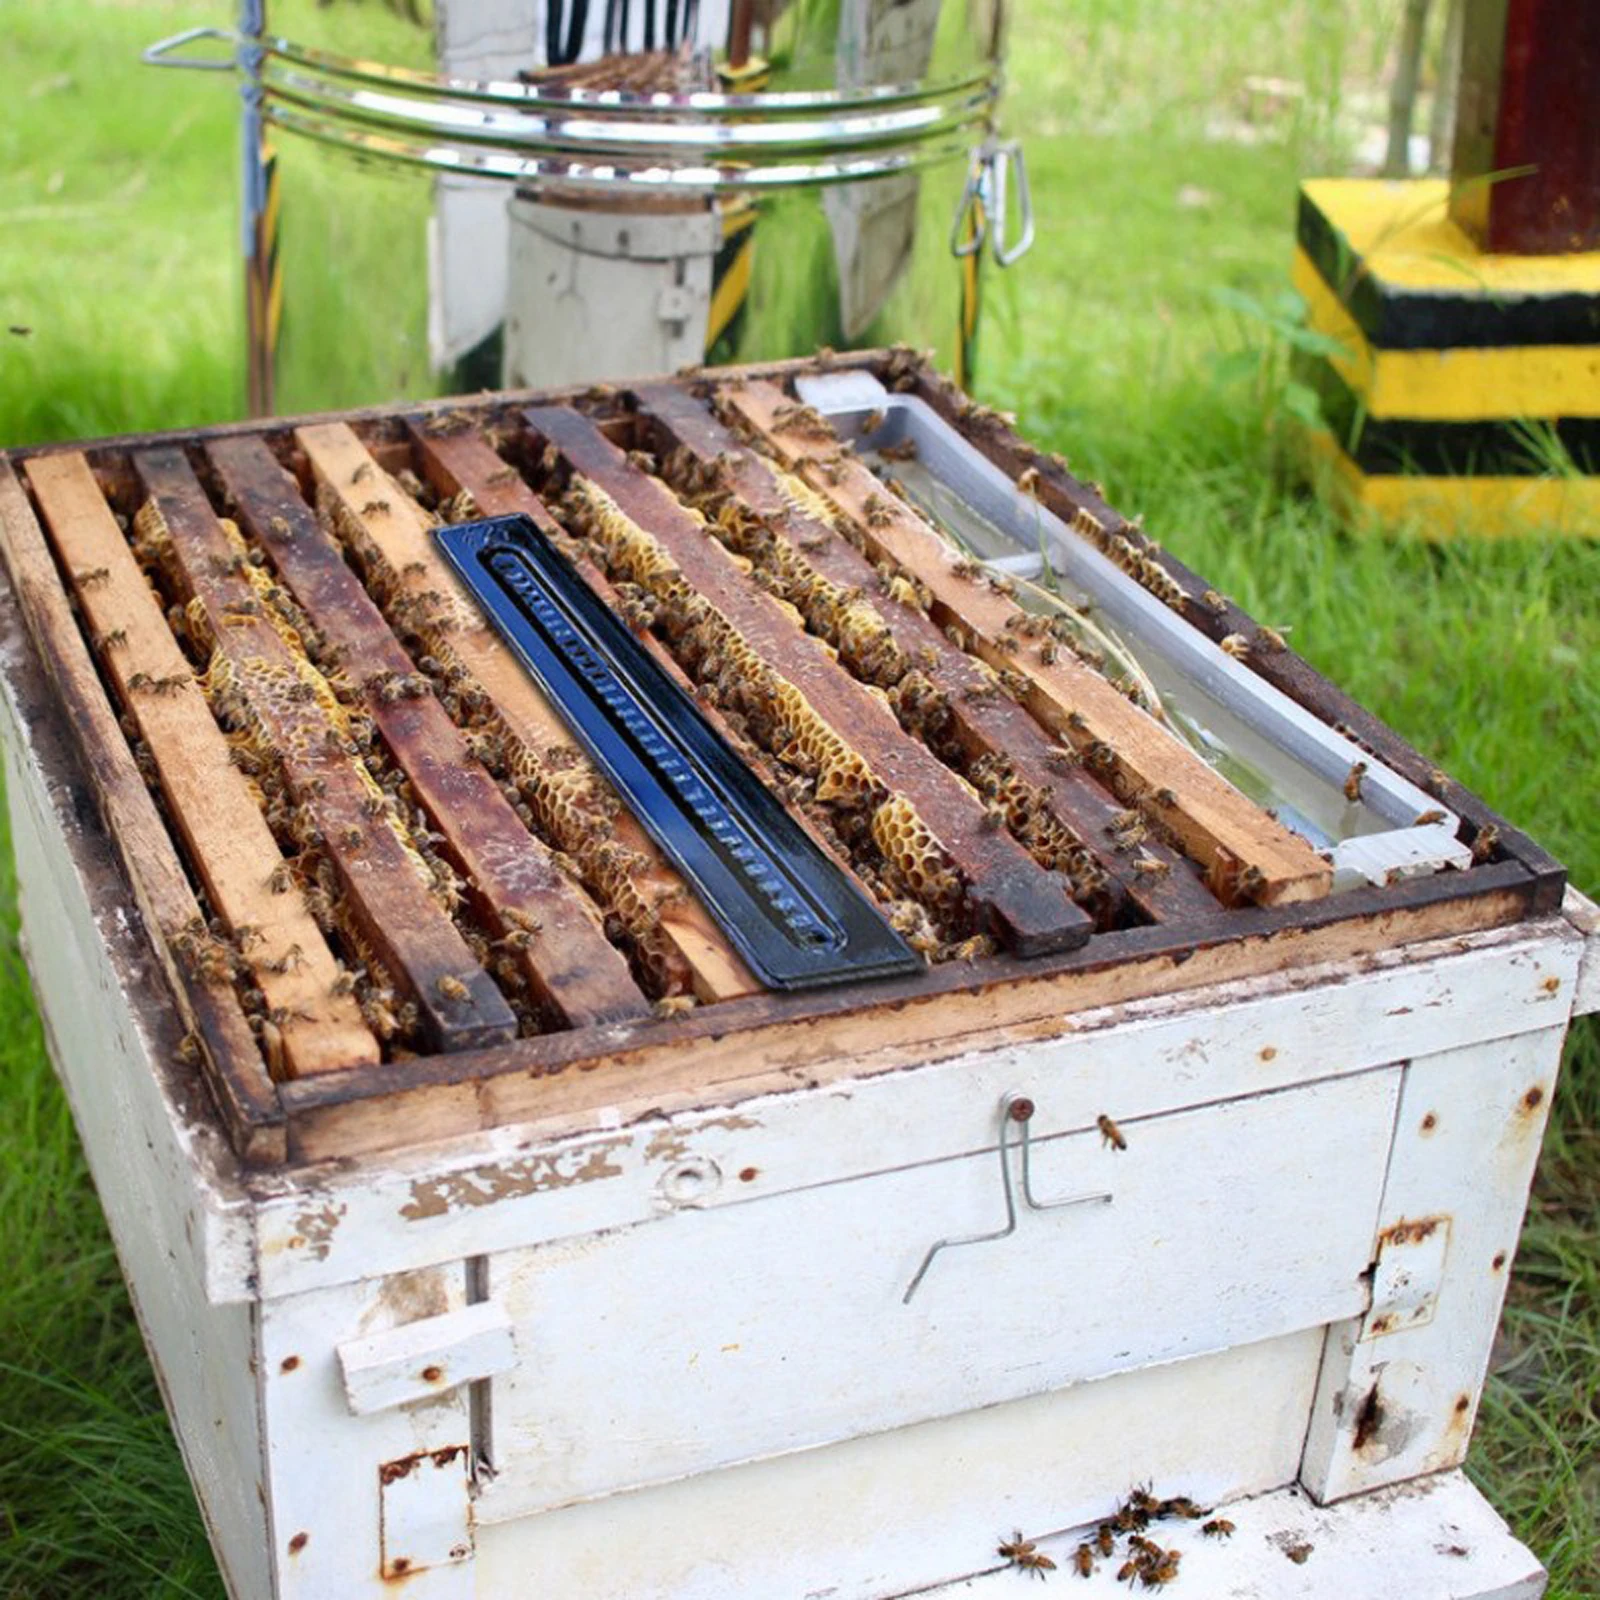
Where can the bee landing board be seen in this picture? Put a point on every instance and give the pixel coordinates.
(432, 1052)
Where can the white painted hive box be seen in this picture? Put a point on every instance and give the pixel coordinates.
(652, 1307)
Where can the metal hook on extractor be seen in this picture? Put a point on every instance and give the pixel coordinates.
(1015, 1110)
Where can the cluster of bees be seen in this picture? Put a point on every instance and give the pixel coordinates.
(1146, 1564)
(555, 791)
(851, 623)
(812, 766)
(1135, 553)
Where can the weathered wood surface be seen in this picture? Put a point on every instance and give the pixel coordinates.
(423, 1359)
(1165, 887)
(899, 1511)
(246, 1098)
(769, 1044)
(1247, 851)
(163, 1172)
(361, 1503)
(1030, 908)
(209, 799)
(1429, 1539)
(1399, 1387)
(601, 1163)
(459, 1005)
(1226, 1225)
(697, 954)
(557, 942)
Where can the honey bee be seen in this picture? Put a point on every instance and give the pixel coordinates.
(977, 948)
(1105, 1538)
(1217, 1528)
(453, 989)
(1083, 1560)
(281, 879)
(1424, 818)
(1270, 639)
(1149, 866)
(1048, 651)
(1298, 1553)
(1486, 843)
(1025, 1555)
(966, 567)
(1060, 757)
(1028, 482)
(362, 472)
(1235, 645)
(672, 1006)
(1127, 1572)
(93, 575)
(874, 421)
(1180, 1506)
(113, 640)
(344, 984)
(905, 450)
(1158, 1573)
(138, 681)
(291, 959)
(1352, 781)
(876, 510)
(1111, 1137)
(375, 508)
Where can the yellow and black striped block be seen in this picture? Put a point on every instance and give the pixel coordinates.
(1465, 392)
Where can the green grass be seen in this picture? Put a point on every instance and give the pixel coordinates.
(1111, 343)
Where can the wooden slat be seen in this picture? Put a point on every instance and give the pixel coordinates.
(1245, 850)
(221, 823)
(398, 531)
(458, 1003)
(466, 461)
(981, 723)
(559, 943)
(766, 1043)
(1027, 906)
(1217, 616)
(232, 1064)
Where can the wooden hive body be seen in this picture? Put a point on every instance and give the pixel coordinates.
(635, 1305)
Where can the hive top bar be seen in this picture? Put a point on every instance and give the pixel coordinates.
(952, 696)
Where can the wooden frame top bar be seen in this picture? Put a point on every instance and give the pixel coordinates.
(740, 1042)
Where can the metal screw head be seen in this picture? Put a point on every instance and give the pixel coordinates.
(1020, 1109)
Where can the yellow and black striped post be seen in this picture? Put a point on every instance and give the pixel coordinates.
(1465, 397)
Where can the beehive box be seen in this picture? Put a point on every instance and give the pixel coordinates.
(494, 1231)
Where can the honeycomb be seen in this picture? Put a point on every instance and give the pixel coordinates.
(556, 790)
(774, 712)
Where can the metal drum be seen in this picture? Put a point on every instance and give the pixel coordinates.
(478, 193)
